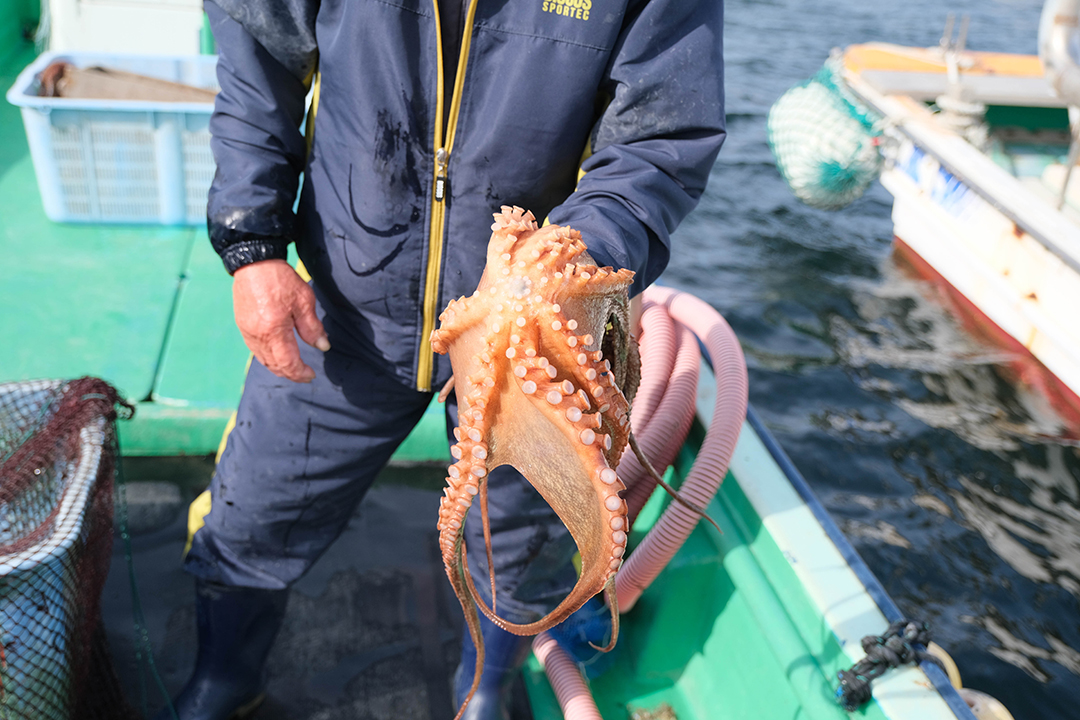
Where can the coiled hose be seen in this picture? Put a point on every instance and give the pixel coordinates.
(663, 412)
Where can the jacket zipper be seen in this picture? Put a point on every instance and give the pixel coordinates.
(444, 144)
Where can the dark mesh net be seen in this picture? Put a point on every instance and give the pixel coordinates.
(57, 464)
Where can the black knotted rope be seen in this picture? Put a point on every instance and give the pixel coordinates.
(901, 644)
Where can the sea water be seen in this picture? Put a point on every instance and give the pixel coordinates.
(960, 488)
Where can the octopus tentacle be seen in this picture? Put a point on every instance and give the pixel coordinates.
(486, 523)
(579, 280)
(611, 598)
(465, 477)
(593, 374)
(459, 316)
(446, 390)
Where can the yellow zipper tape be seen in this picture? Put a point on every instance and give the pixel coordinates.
(425, 362)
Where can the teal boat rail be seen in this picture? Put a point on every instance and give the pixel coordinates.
(757, 621)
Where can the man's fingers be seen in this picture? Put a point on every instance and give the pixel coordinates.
(307, 322)
(270, 300)
(298, 372)
(283, 359)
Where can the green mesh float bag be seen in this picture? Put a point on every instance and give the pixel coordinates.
(825, 141)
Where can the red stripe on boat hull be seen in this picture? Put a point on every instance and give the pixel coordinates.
(1023, 367)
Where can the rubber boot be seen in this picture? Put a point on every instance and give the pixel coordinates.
(504, 654)
(236, 628)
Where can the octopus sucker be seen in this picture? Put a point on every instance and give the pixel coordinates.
(545, 366)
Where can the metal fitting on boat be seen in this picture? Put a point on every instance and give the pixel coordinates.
(1057, 39)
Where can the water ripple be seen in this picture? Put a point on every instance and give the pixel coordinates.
(959, 485)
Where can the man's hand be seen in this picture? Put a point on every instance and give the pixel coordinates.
(269, 300)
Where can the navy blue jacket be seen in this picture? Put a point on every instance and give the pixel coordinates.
(390, 234)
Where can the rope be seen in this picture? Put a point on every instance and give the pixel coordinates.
(144, 651)
(902, 644)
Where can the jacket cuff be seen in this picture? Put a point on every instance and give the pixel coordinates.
(243, 253)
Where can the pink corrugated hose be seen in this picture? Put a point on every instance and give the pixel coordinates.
(657, 345)
(663, 412)
(570, 688)
(669, 424)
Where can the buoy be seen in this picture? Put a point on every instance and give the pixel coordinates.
(950, 665)
(984, 707)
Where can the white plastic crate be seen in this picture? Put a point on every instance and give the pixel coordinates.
(121, 161)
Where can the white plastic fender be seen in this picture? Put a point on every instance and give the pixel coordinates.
(1059, 48)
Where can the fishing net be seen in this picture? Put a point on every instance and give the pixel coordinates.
(57, 463)
(825, 141)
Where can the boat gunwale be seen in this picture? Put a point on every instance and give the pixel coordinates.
(871, 584)
(1024, 219)
(789, 546)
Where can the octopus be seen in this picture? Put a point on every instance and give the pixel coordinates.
(544, 368)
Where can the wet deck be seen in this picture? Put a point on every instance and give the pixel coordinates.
(367, 634)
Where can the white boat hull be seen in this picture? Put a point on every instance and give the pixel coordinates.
(997, 240)
(1024, 289)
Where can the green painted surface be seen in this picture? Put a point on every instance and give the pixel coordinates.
(427, 443)
(811, 626)
(147, 308)
(172, 431)
(78, 299)
(18, 18)
(204, 356)
(143, 307)
(207, 45)
(1029, 118)
(725, 632)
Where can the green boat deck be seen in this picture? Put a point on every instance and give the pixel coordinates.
(752, 623)
(145, 307)
(726, 631)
